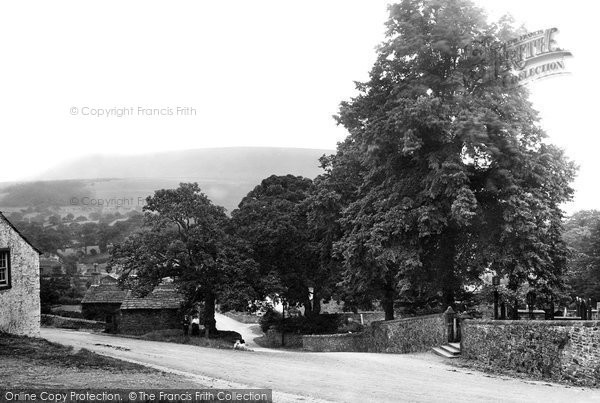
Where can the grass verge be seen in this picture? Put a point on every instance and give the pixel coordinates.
(223, 339)
(33, 362)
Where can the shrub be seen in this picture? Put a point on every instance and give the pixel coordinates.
(270, 318)
(316, 324)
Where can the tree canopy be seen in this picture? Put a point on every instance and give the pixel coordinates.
(273, 220)
(446, 169)
(582, 235)
(186, 237)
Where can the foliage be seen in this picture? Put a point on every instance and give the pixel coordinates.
(51, 290)
(313, 324)
(582, 235)
(449, 172)
(272, 218)
(186, 237)
(270, 318)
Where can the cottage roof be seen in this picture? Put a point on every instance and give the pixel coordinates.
(18, 232)
(104, 294)
(164, 296)
(108, 279)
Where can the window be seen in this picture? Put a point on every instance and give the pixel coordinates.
(4, 269)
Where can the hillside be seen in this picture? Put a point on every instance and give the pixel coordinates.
(224, 174)
(238, 163)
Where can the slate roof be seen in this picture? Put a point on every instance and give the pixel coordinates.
(108, 279)
(104, 294)
(164, 296)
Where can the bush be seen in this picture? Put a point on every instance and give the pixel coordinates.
(270, 318)
(316, 324)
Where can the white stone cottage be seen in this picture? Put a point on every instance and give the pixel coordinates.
(19, 282)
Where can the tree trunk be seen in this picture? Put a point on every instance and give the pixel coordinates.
(448, 276)
(388, 302)
(515, 312)
(448, 296)
(307, 308)
(316, 306)
(312, 307)
(210, 324)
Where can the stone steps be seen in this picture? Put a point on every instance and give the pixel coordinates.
(450, 350)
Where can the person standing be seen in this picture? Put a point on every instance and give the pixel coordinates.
(186, 325)
(196, 326)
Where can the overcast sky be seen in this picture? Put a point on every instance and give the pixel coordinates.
(257, 73)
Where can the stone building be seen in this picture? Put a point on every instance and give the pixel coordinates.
(159, 310)
(19, 282)
(103, 300)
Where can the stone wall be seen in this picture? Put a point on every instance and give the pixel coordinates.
(71, 323)
(20, 304)
(368, 317)
(335, 342)
(142, 321)
(101, 312)
(273, 339)
(557, 350)
(405, 335)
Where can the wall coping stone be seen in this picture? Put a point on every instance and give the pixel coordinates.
(81, 320)
(541, 323)
(399, 320)
(360, 334)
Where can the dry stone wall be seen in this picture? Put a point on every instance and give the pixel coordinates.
(405, 335)
(557, 350)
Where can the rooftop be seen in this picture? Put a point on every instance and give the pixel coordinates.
(164, 296)
(107, 293)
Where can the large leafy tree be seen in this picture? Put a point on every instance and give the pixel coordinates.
(273, 220)
(455, 175)
(186, 237)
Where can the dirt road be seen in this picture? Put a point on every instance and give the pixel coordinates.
(338, 377)
(244, 329)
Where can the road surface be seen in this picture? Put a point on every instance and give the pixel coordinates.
(244, 329)
(337, 377)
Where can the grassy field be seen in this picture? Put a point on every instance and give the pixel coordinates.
(33, 362)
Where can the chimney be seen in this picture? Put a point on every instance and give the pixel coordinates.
(95, 275)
